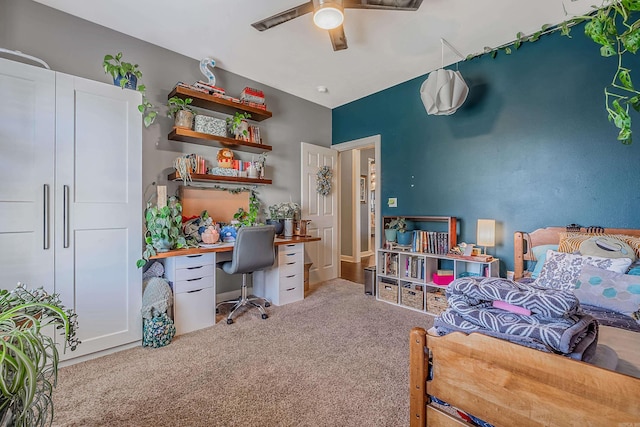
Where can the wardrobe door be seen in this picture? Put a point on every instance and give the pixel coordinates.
(27, 120)
(99, 207)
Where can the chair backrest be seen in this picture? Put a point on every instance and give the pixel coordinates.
(254, 249)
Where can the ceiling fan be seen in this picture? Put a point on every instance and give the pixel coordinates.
(329, 14)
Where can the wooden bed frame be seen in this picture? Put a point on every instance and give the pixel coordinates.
(523, 241)
(506, 384)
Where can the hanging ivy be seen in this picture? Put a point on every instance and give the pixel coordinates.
(613, 28)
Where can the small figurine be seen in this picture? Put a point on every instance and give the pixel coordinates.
(210, 235)
(225, 158)
(228, 233)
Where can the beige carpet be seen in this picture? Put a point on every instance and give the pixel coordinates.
(338, 358)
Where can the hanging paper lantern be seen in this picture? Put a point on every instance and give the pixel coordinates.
(443, 92)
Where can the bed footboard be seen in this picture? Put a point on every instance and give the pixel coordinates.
(506, 384)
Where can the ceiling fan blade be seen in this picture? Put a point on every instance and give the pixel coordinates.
(338, 39)
(382, 4)
(283, 17)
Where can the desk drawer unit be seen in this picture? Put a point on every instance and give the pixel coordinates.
(194, 298)
(284, 282)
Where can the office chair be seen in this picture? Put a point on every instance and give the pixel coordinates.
(254, 250)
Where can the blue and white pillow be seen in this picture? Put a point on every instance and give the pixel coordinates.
(610, 290)
(561, 270)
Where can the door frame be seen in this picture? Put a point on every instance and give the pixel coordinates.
(376, 142)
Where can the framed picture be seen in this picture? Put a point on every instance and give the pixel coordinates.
(363, 189)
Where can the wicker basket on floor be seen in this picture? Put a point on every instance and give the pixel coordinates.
(412, 296)
(436, 301)
(388, 292)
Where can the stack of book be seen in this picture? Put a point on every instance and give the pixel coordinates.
(208, 87)
(253, 98)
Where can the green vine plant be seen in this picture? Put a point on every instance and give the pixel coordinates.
(618, 33)
(115, 67)
(249, 218)
(163, 229)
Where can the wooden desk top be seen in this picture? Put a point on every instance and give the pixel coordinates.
(228, 247)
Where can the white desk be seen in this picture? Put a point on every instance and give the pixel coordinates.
(191, 273)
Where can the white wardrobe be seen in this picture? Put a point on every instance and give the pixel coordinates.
(71, 198)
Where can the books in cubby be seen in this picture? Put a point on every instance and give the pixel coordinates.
(415, 268)
(432, 242)
(389, 264)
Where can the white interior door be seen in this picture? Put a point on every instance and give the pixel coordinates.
(322, 211)
(27, 144)
(99, 215)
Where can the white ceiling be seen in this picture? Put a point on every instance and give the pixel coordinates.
(385, 47)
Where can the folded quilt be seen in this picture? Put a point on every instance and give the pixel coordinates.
(555, 325)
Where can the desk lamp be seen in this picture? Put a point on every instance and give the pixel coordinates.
(486, 233)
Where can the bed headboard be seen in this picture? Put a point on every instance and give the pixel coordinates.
(523, 241)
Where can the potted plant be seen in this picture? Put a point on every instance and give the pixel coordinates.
(126, 75)
(181, 112)
(238, 125)
(396, 229)
(28, 355)
(164, 229)
(276, 219)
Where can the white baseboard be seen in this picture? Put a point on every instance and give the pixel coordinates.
(97, 354)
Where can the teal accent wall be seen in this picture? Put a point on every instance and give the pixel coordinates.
(531, 147)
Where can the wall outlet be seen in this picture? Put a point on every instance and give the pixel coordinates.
(392, 202)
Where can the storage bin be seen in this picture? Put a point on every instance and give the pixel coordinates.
(436, 301)
(388, 291)
(412, 296)
(210, 125)
(442, 280)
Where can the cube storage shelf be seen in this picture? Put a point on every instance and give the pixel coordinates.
(405, 277)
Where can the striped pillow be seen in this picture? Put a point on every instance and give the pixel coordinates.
(570, 242)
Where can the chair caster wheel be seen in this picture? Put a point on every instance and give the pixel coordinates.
(264, 316)
(229, 321)
(267, 304)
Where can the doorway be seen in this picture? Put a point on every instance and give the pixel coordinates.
(359, 188)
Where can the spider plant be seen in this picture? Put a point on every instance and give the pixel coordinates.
(28, 354)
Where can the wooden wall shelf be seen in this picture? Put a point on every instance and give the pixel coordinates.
(221, 105)
(220, 178)
(187, 135)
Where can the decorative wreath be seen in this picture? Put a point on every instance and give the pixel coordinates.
(323, 180)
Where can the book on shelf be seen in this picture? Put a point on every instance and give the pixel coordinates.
(390, 264)
(211, 88)
(431, 242)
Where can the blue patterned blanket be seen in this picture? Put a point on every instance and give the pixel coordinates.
(556, 323)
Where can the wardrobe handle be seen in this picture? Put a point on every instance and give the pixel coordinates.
(65, 215)
(45, 217)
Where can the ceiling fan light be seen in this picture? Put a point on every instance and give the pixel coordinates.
(328, 16)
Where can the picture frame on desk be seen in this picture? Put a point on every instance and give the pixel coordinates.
(363, 189)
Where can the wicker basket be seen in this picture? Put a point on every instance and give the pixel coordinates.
(412, 296)
(436, 301)
(388, 292)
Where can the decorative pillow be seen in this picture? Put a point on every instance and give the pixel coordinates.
(570, 242)
(607, 247)
(610, 290)
(540, 253)
(634, 269)
(560, 270)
